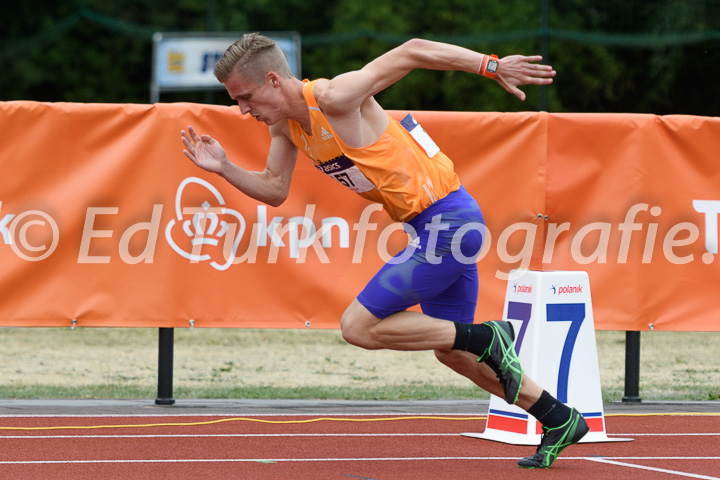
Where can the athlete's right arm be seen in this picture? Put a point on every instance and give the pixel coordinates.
(271, 186)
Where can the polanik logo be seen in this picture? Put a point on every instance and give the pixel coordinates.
(522, 288)
(566, 289)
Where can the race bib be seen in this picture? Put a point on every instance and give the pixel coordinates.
(344, 171)
(420, 135)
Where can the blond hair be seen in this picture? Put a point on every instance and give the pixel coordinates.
(252, 56)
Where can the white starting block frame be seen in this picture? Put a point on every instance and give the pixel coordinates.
(552, 315)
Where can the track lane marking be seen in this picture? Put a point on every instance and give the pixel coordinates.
(661, 470)
(222, 435)
(609, 460)
(689, 434)
(247, 460)
(279, 435)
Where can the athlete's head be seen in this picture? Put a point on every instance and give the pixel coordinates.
(252, 57)
(253, 71)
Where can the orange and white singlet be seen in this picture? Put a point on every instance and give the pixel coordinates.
(405, 172)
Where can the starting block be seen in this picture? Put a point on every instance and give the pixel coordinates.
(552, 315)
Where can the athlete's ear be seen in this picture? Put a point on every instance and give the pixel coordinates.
(274, 79)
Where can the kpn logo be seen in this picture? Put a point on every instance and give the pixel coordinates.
(204, 229)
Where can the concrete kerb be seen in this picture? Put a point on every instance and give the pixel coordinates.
(242, 407)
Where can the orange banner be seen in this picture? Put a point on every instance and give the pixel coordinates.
(104, 222)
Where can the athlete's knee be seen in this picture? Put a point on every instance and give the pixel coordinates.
(347, 327)
(357, 327)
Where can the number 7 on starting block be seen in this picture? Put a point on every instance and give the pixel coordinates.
(555, 341)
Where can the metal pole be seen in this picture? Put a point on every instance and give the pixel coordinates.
(154, 88)
(632, 368)
(166, 338)
(210, 27)
(544, 49)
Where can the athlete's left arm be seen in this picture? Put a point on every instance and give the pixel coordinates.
(347, 92)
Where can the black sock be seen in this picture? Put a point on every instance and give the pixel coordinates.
(471, 337)
(550, 411)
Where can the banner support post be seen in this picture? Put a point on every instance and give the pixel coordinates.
(632, 368)
(166, 337)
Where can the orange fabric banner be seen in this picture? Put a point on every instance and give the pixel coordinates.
(104, 222)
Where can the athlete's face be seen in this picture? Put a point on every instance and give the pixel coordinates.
(262, 101)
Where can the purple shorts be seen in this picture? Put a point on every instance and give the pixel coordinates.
(438, 268)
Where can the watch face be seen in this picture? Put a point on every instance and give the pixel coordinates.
(492, 66)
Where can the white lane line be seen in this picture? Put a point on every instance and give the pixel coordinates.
(472, 416)
(222, 435)
(608, 460)
(706, 434)
(642, 458)
(661, 470)
(249, 460)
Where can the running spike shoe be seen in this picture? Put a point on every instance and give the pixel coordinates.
(555, 440)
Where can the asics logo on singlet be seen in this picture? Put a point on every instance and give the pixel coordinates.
(332, 166)
(325, 134)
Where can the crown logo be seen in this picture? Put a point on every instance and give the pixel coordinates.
(211, 232)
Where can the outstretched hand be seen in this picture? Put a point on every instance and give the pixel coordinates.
(518, 70)
(203, 150)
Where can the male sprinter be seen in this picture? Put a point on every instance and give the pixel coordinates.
(348, 136)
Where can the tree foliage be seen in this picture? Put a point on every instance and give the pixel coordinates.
(100, 51)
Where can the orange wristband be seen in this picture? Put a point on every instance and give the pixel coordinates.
(489, 66)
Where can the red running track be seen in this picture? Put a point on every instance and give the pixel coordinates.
(372, 447)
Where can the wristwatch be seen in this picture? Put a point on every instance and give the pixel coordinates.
(492, 67)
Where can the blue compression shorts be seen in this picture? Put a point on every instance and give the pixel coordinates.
(438, 268)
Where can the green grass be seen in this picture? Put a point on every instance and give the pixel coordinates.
(404, 392)
(112, 391)
(306, 364)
